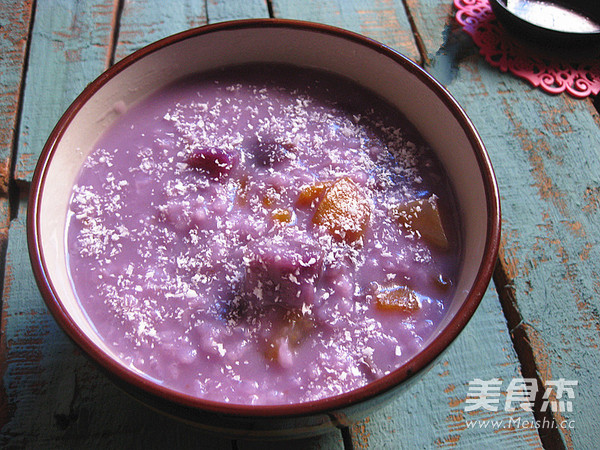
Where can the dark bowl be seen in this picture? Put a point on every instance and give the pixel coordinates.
(422, 99)
(563, 24)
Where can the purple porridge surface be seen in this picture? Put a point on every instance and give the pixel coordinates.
(181, 264)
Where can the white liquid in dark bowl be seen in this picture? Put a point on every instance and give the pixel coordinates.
(250, 236)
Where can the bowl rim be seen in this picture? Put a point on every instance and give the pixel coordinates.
(397, 377)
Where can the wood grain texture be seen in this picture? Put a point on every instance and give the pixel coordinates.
(385, 20)
(546, 153)
(14, 30)
(70, 46)
(54, 397)
(145, 21)
(221, 10)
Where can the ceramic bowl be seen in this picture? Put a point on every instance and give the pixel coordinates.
(422, 99)
(567, 25)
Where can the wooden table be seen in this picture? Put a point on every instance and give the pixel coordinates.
(539, 319)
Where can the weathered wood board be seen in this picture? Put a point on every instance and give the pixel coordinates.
(4, 227)
(70, 46)
(14, 29)
(145, 21)
(222, 10)
(546, 153)
(442, 420)
(385, 20)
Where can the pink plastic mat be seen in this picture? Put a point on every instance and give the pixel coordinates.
(574, 75)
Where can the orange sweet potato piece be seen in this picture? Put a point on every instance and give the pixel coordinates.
(270, 197)
(422, 217)
(282, 343)
(344, 210)
(283, 215)
(309, 193)
(242, 193)
(398, 298)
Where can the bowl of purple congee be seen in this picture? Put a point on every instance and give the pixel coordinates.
(266, 227)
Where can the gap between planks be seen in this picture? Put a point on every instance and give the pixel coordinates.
(118, 11)
(270, 8)
(550, 436)
(13, 187)
(9, 200)
(423, 56)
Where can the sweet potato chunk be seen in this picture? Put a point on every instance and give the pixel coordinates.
(271, 196)
(242, 193)
(281, 344)
(310, 193)
(282, 215)
(344, 210)
(422, 217)
(398, 298)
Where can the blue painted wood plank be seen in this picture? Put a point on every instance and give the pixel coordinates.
(145, 21)
(221, 10)
(14, 26)
(137, 21)
(52, 396)
(70, 46)
(442, 421)
(384, 19)
(142, 23)
(546, 153)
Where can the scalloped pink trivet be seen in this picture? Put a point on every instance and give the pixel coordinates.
(500, 49)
